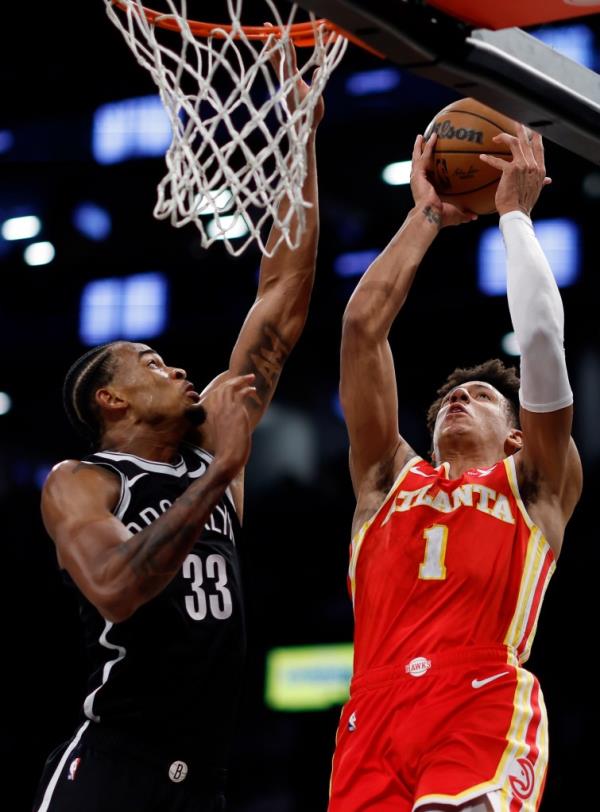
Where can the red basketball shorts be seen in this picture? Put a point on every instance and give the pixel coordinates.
(442, 728)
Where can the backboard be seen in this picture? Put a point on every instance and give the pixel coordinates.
(479, 50)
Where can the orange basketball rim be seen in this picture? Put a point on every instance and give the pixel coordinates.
(301, 34)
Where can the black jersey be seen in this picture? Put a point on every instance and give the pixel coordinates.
(172, 671)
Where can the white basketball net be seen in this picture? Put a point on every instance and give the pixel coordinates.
(237, 158)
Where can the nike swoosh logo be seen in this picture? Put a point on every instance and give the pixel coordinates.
(134, 479)
(479, 683)
(422, 473)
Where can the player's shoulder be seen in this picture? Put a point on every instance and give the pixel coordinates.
(72, 473)
(60, 472)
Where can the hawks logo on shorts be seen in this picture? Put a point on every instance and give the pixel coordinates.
(522, 779)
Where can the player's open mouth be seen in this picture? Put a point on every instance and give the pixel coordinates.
(191, 392)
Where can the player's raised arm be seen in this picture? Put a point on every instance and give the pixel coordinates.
(368, 383)
(549, 460)
(277, 317)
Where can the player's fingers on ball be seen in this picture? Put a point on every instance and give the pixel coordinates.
(547, 181)
(537, 146)
(429, 147)
(526, 144)
(512, 142)
(416, 154)
(491, 160)
(505, 138)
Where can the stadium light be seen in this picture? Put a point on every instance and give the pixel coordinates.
(397, 174)
(39, 253)
(21, 228)
(560, 239)
(131, 128)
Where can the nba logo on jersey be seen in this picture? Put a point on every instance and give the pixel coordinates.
(418, 666)
(352, 722)
(73, 767)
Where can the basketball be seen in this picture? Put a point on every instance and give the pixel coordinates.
(465, 129)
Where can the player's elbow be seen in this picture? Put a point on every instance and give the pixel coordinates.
(114, 604)
(541, 338)
(360, 328)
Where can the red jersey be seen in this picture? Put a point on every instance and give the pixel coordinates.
(447, 563)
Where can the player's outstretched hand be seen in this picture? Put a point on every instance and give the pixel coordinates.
(228, 422)
(523, 177)
(423, 190)
(287, 66)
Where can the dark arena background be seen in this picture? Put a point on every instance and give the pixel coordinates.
(90, 263)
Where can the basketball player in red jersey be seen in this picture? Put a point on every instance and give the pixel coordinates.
(450, 559)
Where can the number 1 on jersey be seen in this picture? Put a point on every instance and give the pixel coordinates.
(433, 567)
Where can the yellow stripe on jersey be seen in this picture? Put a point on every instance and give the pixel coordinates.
(360, 536)
(533, 559)
(530, 638)
(542, 760)
(537, 549)
(518, 747)
(522, 716)
(511, 473)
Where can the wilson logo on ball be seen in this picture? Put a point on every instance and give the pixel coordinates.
(445, 129)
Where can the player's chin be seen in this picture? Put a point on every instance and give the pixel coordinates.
(196, 414)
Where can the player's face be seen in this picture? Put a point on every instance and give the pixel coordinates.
(153, 390)
(475, 411)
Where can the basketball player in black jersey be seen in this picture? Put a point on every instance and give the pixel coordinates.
(146, 529)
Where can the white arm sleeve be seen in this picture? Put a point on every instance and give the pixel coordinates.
(537, 315)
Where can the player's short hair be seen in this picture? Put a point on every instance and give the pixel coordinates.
(94, 369)
(502, 378)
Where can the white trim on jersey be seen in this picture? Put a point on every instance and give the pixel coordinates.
(56, 774)
(178, 470)
(125, 495)
(89, 700)
(153, 466)
(207, 458)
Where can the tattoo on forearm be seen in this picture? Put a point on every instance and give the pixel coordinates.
(432, 216)
(266, 361)
(146, 560)
(160, 548)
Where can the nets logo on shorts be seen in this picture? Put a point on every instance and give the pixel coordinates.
(522, 779)
(178, 771)
(418, 666)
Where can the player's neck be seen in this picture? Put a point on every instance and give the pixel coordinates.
(156, 444)
(460, 461)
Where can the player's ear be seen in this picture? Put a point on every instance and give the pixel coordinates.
(513, 442)
(109, 399)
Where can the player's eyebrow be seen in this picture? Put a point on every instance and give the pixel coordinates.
(141, 354)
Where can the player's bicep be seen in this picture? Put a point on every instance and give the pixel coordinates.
(369, 400)
(549, 451)
(77, 506)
